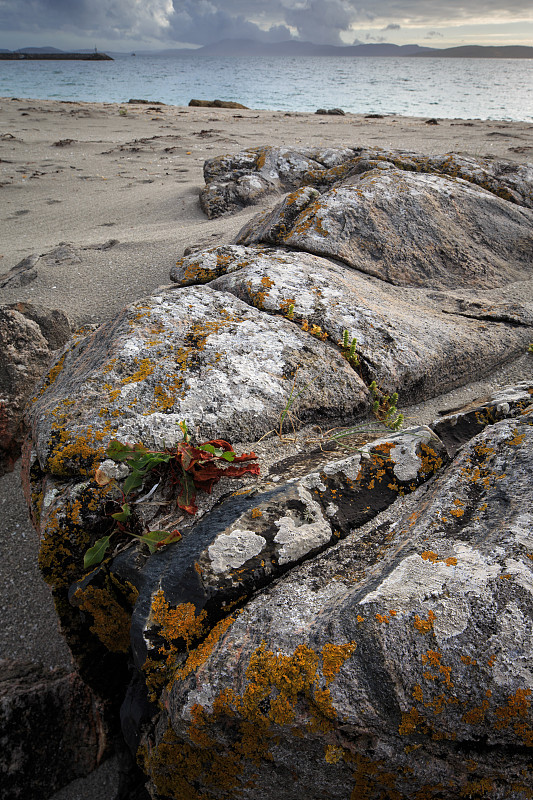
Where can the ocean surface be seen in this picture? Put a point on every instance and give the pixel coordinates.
(433, 87)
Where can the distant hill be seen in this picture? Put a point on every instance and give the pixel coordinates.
(38, 50)
(293, 48)
(479, 51)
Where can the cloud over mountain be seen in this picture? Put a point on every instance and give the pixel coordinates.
(204, 21)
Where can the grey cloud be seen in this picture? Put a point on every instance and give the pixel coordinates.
(432, 34)
(391, 27)
(203, 21)
(319, 21)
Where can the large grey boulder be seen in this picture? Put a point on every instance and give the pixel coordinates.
(196, 355)
(410, 229)
(394, 665)
(417, 343)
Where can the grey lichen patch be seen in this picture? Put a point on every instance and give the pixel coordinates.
(302, 532)
(232, 550)
(421, 577)
(406, 454)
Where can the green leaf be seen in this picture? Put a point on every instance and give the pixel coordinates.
(155, 539)
(119, 451)
(219, 452)
(133, 481)
(96, 553)
(122, 516)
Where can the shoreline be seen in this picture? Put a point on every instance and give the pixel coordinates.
(104, 198)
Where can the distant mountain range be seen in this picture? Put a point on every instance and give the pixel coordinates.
(295, 49)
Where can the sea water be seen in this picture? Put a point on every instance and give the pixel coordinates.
(433, 87)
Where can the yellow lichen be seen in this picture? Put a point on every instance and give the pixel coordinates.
(110, 608)
(333, 657)
(424, 625)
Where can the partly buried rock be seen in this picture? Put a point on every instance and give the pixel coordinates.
(52, 731)
(216, 104)
(395, 665)
(418, 354)
(29, 335)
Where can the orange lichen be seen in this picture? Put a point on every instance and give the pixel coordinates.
(410, 721)
(333, 657)
(433, 659)
(333, 754)
(180, 623)
(417, 693)
(52, 375)
(110, 608)
(424, 625)
(202, 651)
(517, 707)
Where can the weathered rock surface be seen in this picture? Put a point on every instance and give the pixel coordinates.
(398, 664)
(52, 730)
(410, 229)
(356, 622)
(418, 355)
(65, 253)
(29, 335)
(235, 181)
(196, 355)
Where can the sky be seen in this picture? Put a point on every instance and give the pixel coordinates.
(125, 25)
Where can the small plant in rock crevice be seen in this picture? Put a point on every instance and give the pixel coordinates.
(349, 350)
(384, 407)
(186, 467)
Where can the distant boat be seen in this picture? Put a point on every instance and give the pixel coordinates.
(133, 54)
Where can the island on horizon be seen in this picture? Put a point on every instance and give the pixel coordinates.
(51, 54)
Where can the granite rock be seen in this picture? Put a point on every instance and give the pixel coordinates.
(29, 337)
(52, 730)
(394, 665)
(276, 170)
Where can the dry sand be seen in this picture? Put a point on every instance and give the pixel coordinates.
(111, 191)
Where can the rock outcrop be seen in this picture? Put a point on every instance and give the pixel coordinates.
(52, 730)
(29, 337)
(235, 181)
(356, 620)
(216, 104)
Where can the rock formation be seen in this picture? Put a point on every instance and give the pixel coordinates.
(52, 730)
(356, 620)
(29, 337)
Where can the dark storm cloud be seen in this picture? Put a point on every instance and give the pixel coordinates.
(202, 21)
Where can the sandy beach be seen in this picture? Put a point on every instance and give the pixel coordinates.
(105, 197)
